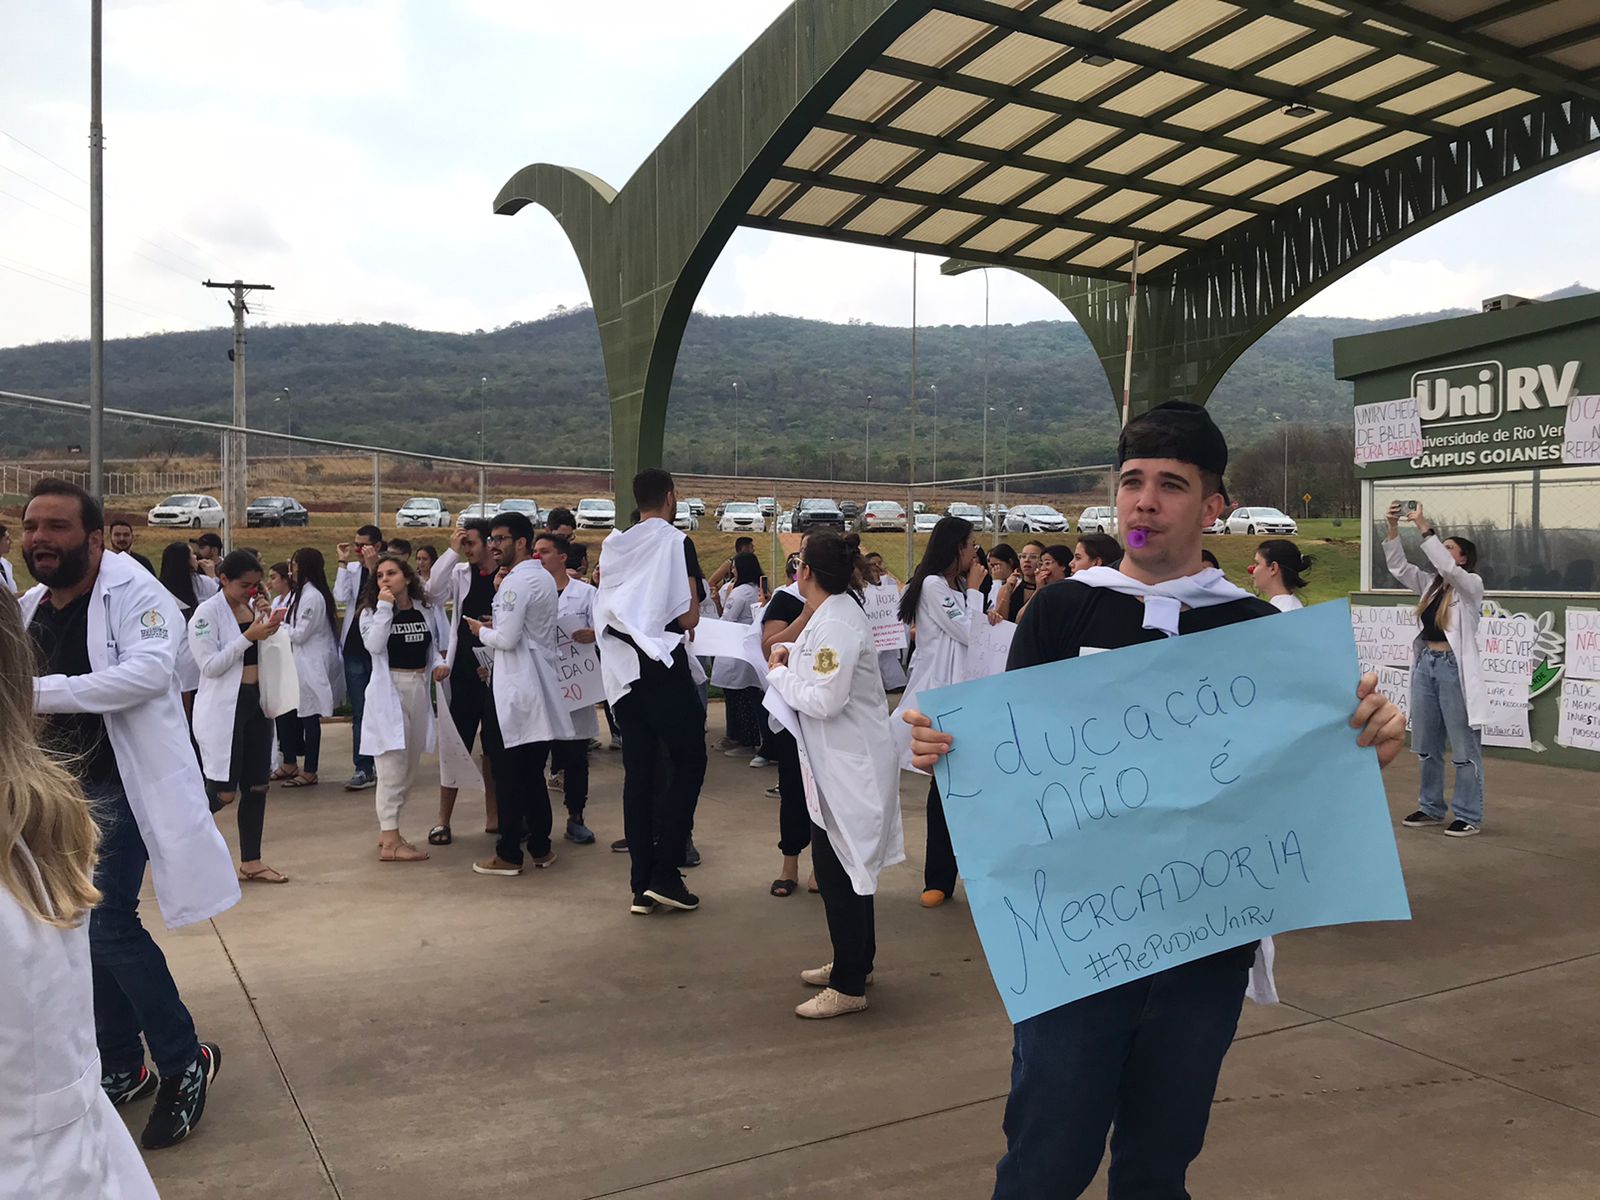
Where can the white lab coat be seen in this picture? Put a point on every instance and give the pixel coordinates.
(732, 671)
(1466, 607)
(449, 584)
(219, 647)
(347, 591)
(133, 625)
(60, 1138)
(644, 586)
(1288, 602)
(383, 720)
(851, 774)
(944, 627)
(188, 670)
(316, 656)
(577, 605)
(523, 637)
(8, 577)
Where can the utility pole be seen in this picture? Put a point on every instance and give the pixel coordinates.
(483, 410)
(97, 264)
(866, 453)
(736, 429)
(234, 467)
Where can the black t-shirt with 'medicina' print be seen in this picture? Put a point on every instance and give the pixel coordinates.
(1066, 617)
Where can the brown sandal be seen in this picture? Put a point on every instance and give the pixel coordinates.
(404, 852)
(263, 875)
(301, 780)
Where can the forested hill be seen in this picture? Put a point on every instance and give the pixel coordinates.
(802, 390)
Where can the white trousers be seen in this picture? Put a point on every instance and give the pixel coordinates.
(397, 767)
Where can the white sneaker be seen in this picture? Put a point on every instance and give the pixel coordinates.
(821, 976)
(758, 761)
(829, 1003)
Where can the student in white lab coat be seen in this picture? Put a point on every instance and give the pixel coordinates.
(402, 636)
(313, 623)
(105, 629)
(740, 684)
(1448, 697)
(852, 779)
(60, 1136)
(177, 574)
(943, 612)
(233, 733)
(575, 613)
(1278, 572)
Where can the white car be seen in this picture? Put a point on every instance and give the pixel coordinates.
(422, 512)
(475, 512)
(1251, 521)
(786, 522)
(596, 514)
(881, 516)
(1217, 526)
(685, 518)
(1098, 520)
(1035, 518)
(969, 512)
(526, 507)
(740, 516)
(927, 520)
(188, 512)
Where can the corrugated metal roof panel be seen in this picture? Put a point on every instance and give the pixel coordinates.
(1010, 125)
(1431, 95)
(1053, 244)
(875, 161)
(1170, 215)
(770, 195)
(1072, 143)
(1550, 19)
(883, 217)
(1003, 185)
(1082, 81)
(1323, 55)
(1267, 128)
(1261, 36)
(937, 38)
(1248, 176)
(1216, 109)
(1158, 91)
(1583, 56)
(1074, 12)
(1487, 107)
(1380, 76)
(816, 146)
(1014, 59)
(1296, 185)
(1179, 23)
(1213, 226)
(1118, 205)
(1102, 252)
(999, 235)
(941, 174)
(1134, 153)
(939, 111)
(1193, 164)
(943, 226)
(1392, 144)
(820, 206)
(1062, 195)
(1151, 257)
(870, 95)
(1332, 136)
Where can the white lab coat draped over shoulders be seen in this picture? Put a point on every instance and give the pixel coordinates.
(733, 671)
(133, 624)
(218, 646)
(449, 584)
(644, 586)
(60, 1138)
(347, 591)
(523, 638)
(383, 720)
(576, 611)
(316, 655)
(851, 773)
(944, 627)
(1466, 608)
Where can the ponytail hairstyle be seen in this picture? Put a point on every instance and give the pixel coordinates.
(1286, 556)
(313, 571)
(939, 556)
(47, 835)
(835, 563)
(1441, 586)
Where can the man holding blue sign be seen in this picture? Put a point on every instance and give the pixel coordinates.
(1122, 900)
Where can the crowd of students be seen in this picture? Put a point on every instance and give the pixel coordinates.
(435, 651)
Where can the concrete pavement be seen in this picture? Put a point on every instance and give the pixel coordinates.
(398, 1031)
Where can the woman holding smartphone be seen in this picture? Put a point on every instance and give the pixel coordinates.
(1448, 700)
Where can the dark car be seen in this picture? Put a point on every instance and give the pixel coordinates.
(817, 514)
(850, 509)
(276, 510)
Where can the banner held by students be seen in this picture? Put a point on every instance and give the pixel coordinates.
(1120, 814)
(577, 665)
(882, 604)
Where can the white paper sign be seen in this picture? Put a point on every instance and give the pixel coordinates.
(1388, 430)
(1384, 634)
(1395, 683)
(577, 666)
(988, 648)
(1583, 643)
(715, 638)
(1579, 726)
(1581, 441)
(882, 603)
(1506, 648)
(780, 708)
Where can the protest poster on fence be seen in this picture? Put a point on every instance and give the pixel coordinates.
(1583, 643)
(882, 602)
(1579, 724)
(1580, 438)
(1122, 813)
(1505, 662)
(1384, 634)
(577, 665)
(1388, 430)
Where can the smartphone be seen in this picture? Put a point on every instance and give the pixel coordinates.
(1410, 506)
(765, 590)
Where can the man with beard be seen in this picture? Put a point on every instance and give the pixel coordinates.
(121, 542)
(104, 632)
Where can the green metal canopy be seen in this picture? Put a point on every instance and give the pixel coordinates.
(1253, 151)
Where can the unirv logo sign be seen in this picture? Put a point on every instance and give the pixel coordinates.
(1485, 391)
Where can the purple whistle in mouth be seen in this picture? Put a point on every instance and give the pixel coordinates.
(1137, 539)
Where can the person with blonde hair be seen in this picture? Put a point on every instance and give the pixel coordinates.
(47, 856)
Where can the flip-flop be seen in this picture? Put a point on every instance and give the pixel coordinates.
(784, 887)
(439, 835)
(300, 781)
(264, 875)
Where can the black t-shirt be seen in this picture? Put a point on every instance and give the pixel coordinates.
(691, 563)
(1065, 617)
(141, 560)
(409, 638)
(352, 640)
(785, 607)
(478, 604)
(61, 647)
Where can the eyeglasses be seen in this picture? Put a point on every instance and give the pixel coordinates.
(495, 539)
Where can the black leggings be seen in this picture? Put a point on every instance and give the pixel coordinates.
(851, 924)
(300, 737)
(250, 764)
(794, 822)
(939, 867)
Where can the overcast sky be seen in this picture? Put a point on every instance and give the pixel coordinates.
(348, 152)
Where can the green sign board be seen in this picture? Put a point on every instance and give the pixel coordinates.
(1491, 390)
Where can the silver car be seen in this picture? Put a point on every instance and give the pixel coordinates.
(1253, 521)
(1035, 518)
(595, 513)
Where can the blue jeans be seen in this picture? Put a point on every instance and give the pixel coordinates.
(357, 671)
(1144, 1057)
(1439, 711)
(133, 989)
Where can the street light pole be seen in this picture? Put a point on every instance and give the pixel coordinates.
(288, 399)
(483, 410)
(986, 374)
(934, 388)
(866, 453)
(1286, 468)
(736, 429)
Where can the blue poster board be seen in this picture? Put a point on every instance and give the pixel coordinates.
(1118, 814)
